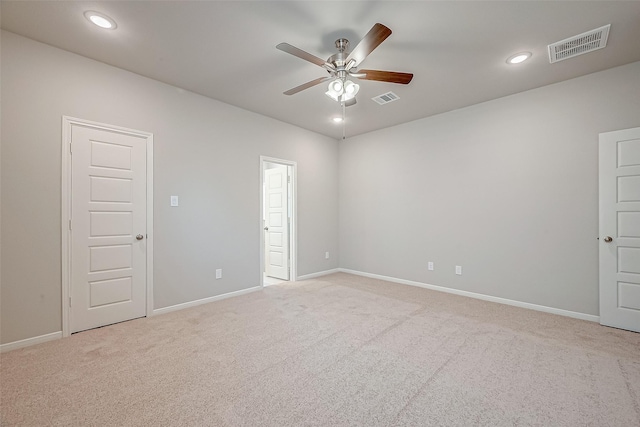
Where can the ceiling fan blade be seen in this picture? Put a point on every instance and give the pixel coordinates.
(286, 47)
(307, 85)
(386, 76)
(376, 35)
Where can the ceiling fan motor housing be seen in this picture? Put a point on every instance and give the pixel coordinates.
(338, 60)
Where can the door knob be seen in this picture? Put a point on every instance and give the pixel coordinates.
(266, 229)
(608, 239)
(139, 237)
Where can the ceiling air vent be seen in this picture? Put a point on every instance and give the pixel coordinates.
(386, 98)
(577, 45)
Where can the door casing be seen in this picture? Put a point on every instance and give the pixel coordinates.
(293, 228)
(67, 124)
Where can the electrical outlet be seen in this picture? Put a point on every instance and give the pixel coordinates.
(219, 273)
(430, 266)
(174, 200)
(326, 255)
(459, 270)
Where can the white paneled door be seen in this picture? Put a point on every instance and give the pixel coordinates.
(277, 228)
(620, 229)
(108, 227)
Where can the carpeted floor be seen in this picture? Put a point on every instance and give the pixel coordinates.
(340, 350)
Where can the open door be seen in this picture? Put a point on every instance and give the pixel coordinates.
(276, 223)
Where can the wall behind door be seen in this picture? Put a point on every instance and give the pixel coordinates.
(205, 151)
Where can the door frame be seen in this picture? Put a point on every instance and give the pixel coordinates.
(293, 226)
(67, 123)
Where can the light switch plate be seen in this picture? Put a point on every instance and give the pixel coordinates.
(219, 273)
(174, 200)
(459, 270)
(430, 266)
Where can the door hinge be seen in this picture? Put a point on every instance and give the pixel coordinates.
(70, 148)
(69, 224)
(288, 178)
(69, 301)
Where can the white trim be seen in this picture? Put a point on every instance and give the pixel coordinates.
(66, 217)
(67, 123)
(189, 304)
(293, 237)
(318, 274)
(543, 308)
(150, 234)
(30, 341)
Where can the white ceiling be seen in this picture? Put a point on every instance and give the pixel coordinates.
(226, 50)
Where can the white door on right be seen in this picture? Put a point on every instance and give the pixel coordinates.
(277, 223)
(619, 176)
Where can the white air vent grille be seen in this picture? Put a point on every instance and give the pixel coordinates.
(386, 98)
(577, 45)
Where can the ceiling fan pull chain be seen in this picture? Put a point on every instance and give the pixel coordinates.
(344, 126)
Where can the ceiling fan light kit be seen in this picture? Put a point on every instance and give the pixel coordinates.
(342, 91)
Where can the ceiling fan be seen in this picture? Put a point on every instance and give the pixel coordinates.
(344, 64)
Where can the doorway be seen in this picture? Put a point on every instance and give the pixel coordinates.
(277, 221)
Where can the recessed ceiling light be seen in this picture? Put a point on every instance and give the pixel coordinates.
(337, 119)
(100, 19)
(518, 58)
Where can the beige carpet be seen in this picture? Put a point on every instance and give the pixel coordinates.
(337, 351)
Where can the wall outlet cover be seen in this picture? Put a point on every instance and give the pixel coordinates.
(219, 273)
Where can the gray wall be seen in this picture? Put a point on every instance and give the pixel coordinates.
(205, 151)
(507, 189)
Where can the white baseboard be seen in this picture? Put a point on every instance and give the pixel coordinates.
(57, 335)
(318, 274)
(30, 341)
(543, 308)
(576, 315)
(204, 301)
